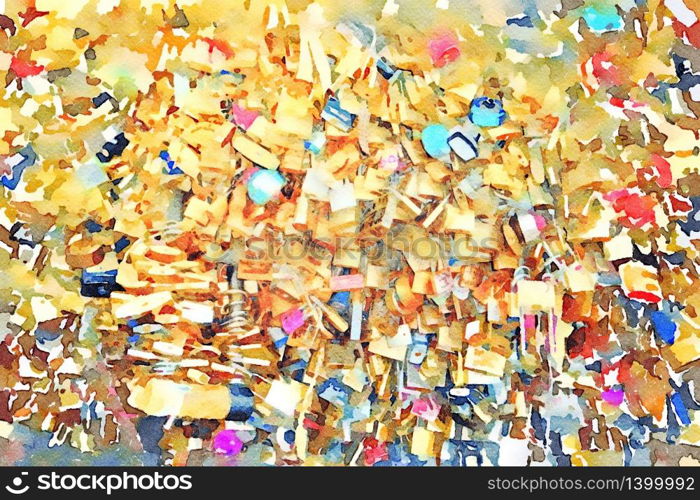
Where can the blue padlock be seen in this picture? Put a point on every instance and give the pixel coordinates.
(487, 112)
(464, 142)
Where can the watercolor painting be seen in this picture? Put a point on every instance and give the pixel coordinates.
(367, 233)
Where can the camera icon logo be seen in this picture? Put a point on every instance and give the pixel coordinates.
(17, 488)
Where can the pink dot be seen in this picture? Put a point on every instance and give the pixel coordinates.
(227, 442)
(613, 396)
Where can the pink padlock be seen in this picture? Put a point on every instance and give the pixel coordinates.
(443, 50)
(243, 117)
(292, 320)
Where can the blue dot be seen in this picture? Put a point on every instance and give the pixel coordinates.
(665, 327)
(289, 437)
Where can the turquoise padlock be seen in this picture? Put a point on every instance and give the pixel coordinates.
(264, 185)
(434, 139)
(487, 112)
(602, 18)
